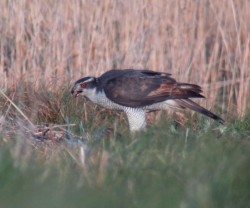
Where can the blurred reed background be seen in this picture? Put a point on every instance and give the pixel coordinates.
(75, 154)
(53, 43)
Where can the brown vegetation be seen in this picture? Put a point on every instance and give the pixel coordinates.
(52, 43)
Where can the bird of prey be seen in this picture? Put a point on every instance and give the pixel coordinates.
(137, 92)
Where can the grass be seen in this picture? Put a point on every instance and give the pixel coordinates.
(166, 166)
(77, 154)
(53, 43)
(56, 151)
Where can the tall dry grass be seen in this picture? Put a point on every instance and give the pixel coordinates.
(55, 42)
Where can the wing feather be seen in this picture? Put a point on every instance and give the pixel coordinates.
(138, 88)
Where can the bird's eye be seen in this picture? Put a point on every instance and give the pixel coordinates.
(83, 85)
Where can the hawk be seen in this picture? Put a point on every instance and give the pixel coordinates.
(137, 92)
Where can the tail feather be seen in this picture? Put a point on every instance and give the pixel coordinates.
(190, 87)
(187, 103)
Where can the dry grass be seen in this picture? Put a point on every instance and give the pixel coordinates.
(52, 43)
(46, 45)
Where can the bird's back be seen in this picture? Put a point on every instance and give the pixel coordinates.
(139, 88)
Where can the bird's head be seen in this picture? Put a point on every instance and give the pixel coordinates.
(84, 87)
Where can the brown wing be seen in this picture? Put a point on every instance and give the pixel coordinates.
(139, 88)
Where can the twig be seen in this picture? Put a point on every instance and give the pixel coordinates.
(63, 125)
(18, 109)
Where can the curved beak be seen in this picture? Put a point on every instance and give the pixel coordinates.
(75, 91)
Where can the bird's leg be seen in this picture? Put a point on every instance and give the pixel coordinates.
(136, 119)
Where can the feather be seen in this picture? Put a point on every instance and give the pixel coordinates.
(187, 103)
(138, 89)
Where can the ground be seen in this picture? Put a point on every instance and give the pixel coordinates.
(167, 166)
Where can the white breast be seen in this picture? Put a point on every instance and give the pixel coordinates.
(100, 98)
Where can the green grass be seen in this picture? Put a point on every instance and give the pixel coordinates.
(51, 44)
(166, 166)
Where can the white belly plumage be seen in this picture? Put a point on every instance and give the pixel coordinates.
(136, 116)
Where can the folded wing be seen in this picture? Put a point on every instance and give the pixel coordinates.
(143, 87)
